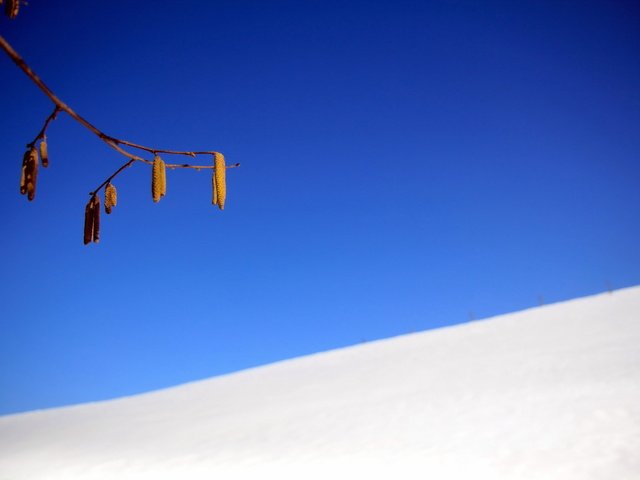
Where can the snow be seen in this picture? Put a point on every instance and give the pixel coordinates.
(546, 393)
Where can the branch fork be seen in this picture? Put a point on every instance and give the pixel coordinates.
(30, 160)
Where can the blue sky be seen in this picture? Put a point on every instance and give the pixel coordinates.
(403, 164)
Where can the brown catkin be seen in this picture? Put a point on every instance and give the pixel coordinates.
(92, 220)
(88, 222)
(31, 173)
(11, 8)
(158, 179)
(44, 154)
(220, 180)
(110, 198)
(23, 172)
(96, 219)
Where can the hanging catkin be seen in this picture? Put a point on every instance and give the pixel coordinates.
(110, 198)
(158, 179)
(11, 8)
(88, 222)
(163, 179)
(31, 174)
(214, 193)
(23, 172)
(219, 180)
(92, 220)
(44, 154)
(96, 219)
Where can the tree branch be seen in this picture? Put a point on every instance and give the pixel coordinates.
(42, 132)
(30, 161)
(108, 139)
(113, 175)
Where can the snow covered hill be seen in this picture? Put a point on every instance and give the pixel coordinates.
(547, 393)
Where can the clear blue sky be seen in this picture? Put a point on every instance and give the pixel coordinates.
(403, 164)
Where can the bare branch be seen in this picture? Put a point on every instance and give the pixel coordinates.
(42, 132)
(113, 175)
(113, 142)
(92, 211)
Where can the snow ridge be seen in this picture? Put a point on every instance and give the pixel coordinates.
(546, 393)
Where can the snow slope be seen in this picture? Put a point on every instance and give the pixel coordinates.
(547, 393)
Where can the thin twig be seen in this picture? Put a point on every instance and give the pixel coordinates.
(198, 167)
(108, 139)
(42, 132)
(155, 150)
(128, 164)
(17, 59)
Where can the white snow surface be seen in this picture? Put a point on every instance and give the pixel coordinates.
(547, 393)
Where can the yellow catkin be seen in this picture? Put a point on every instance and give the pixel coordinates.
(158, 179)
(31, 174)
(163, 179)
(44, 154)
(214, 193)
(220, 180)
(110, 198)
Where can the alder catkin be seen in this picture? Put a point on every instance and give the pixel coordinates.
(214, 194)
(88, 222)
(110, 198)
(31, 173)
(163, 179)
(92, 220)
(219, 178)
(96, 219)
(44, 154)
(158, 179)
(11, 8)
(23, 172)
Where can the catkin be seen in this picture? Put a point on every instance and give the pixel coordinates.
(110, 198)
(11, 8)
(31, 174)
(163, 179)
(23, 172)
(214, 195)
(158, 179)
(88, 222)
(219, 180)
(92, 220)
(44, 154)
(96, 219)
